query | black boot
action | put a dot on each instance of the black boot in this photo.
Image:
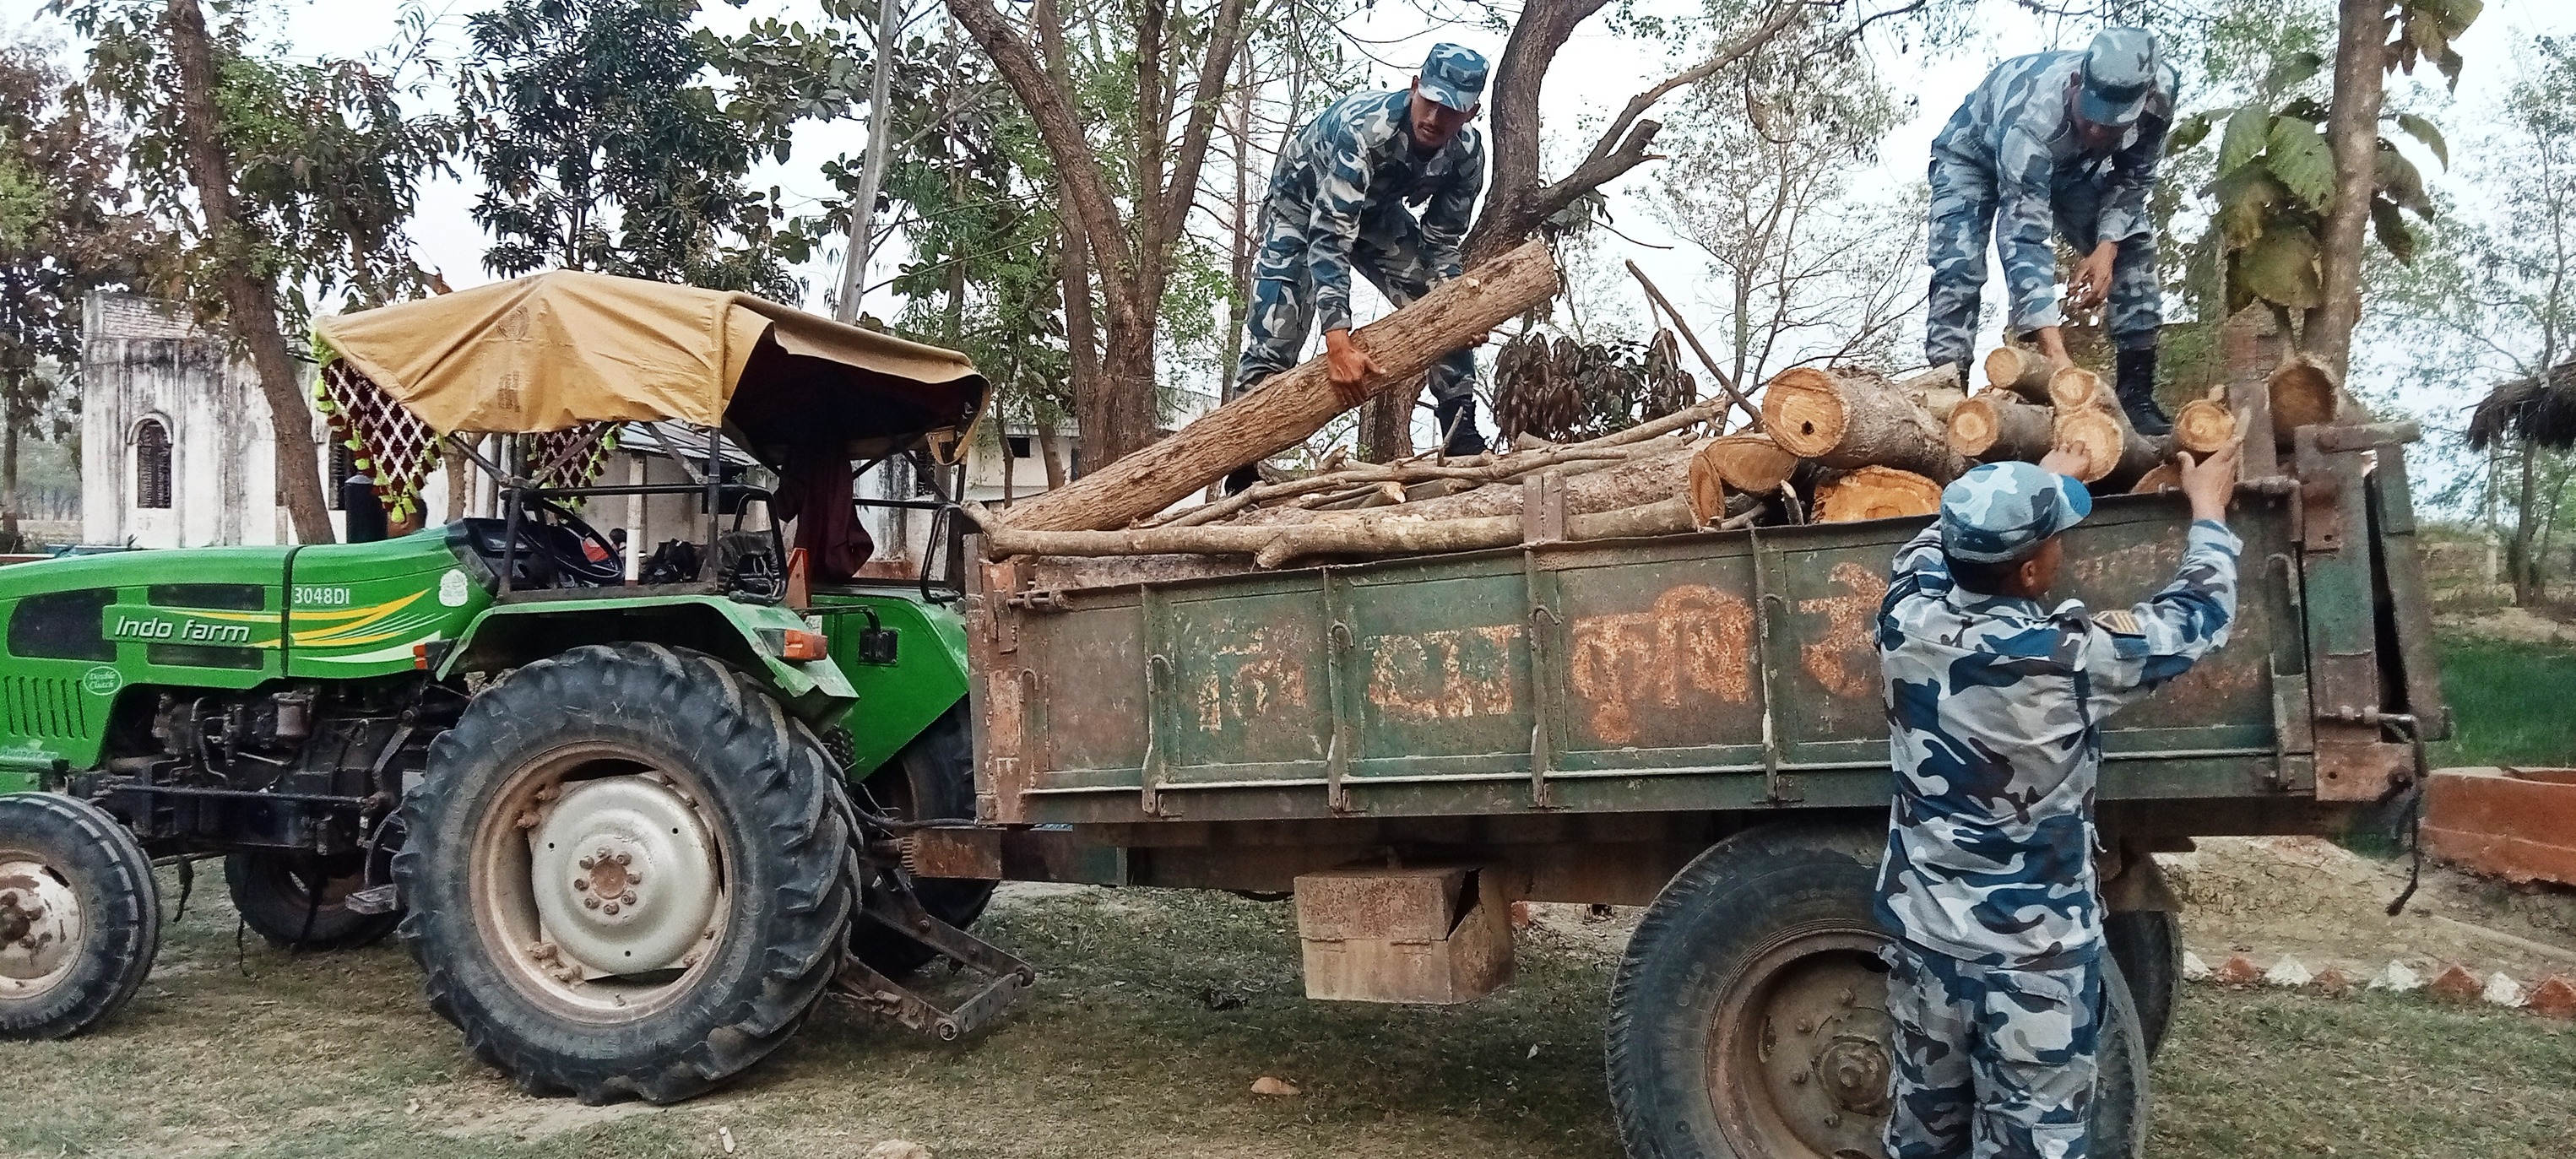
(1457, 418)
(2137, 390)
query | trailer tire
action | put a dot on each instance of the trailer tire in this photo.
(273, 892)
(742, 910)
(933, 777)
(1756, 967)
(2148, 944)
(69, 870)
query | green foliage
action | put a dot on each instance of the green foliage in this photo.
(326, 163)
(2508, 703)
(600, 148)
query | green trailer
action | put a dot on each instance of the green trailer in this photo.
(1691, 724)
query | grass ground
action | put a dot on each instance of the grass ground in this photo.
(1123, 1051)
(2509, 702)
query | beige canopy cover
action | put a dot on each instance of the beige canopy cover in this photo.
(549, 351)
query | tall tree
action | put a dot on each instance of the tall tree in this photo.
(602, 147)
(285, 180)
(67, 226)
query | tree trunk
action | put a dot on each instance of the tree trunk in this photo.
(1876, 493)
(1997, 426)
(1852, 419)
(1371, 535)
(2352, 132)
(2518, 559)
(1295, 404)
(1048, 457)
(11, 419)
(2022, 371)
(1386, 425)
(1653, 474)
(249, 303)
(1938, 391)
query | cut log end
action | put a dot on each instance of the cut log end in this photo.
(2303, 394)
(2165, 477)
(2075, 388)
(1998, 426)
(1803, 411)
(2114, 455)
(1876, 493)
(2204, 425)
(1751, 464)
(2021, 371)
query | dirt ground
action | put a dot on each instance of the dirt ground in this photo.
(1157, 1010)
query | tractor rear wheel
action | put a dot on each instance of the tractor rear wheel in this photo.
(300, 901)
(80, 915)
(626, 873)
(932, 778)
(1748, 1019)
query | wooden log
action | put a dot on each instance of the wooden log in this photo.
(2203, 425)
(2020, 370)
(1752, 464)
(1876, 493)
(2165, 476)
(2302, 394)
(2115, 455)
(1707, 489)
(2075, 388)
(1291, 406)
(1937, 390)
(1658, 470)
(2000, 425)
(1380, 535)
(1851, 419)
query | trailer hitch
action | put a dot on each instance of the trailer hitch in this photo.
(888, 898)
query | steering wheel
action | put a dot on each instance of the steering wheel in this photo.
(603, 572)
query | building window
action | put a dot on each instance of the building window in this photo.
(1019, 445)
(152, 465)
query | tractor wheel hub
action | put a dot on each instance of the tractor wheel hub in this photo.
(41, 928)
(625, 875)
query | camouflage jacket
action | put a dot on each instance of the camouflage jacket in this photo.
(1356, 160)
(1994, 710)
(2017, 126)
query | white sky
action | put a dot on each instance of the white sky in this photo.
(1592, 78)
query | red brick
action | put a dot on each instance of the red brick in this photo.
(2332, 980)
(2455, 983)
(2237, 970)
(2555, 997)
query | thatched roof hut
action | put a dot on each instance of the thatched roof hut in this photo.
(2541, 408)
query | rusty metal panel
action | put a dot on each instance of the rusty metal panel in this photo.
(1088, 713)
(2337, 569)
(1440, 660)
(2410, 609)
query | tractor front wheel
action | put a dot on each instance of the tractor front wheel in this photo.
(80, 915)
(300, 901)
(626, 874)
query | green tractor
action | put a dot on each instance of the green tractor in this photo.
(631, 832)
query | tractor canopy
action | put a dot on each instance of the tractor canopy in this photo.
(565, 352)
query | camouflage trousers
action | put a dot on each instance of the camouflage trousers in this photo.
(1964, 203)
(1388, 253)
(1991, 1062)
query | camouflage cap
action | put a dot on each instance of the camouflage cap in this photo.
(2000, 511)
(2119, 74)
(1453, 75)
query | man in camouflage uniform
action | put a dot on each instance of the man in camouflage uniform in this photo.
(1338, 201)
(2056, 144)
(1995, 704)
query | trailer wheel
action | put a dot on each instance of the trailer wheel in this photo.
(299, 901)
(80, 915)
(933, 777)
(1748, 1019)
(2148, 944)
(626, 874)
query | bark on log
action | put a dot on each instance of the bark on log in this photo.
(1752, 464)
(1381, 535)
(1291, 406)
(1853, 419)
(1649, 476)
(1937, 390)
(2303, 393)
(2000, 425)
(1876, 493)
(2115, 455)
(2022, 371)
(2203, 425)
(2166, 475)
